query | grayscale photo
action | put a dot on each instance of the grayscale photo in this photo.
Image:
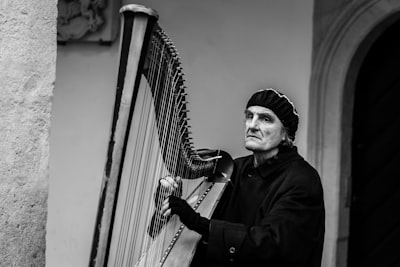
(213, 133)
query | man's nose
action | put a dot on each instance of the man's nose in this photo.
(253, 123)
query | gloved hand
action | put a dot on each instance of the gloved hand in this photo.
(193, 220)
(167, 186)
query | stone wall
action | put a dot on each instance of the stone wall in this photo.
(27, 75)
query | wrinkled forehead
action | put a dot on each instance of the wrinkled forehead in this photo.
(260, 110)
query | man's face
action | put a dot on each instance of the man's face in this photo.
(264, 130)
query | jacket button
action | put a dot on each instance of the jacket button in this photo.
(232, 250)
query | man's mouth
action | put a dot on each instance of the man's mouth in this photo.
(252, 136)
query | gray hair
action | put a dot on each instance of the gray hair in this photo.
(287, 141)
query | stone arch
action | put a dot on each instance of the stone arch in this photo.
(335, 68)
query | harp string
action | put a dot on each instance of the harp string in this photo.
(135, 183)
(162, 147)
(153, 79)
(172, 134)
(168, 130)
(156, 84)
(174, 146)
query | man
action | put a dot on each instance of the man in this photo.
(273, 212)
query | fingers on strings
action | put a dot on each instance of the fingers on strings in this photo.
(170, 186)
(166, 207)
(170, 183)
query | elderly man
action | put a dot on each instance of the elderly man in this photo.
(273, 212)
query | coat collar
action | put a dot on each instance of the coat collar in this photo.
(284, 156)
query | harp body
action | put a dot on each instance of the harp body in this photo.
(150, 139)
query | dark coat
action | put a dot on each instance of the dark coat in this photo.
(272, 215)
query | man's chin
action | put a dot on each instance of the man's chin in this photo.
(252, 146)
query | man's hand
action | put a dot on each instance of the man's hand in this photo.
(169, 183)
(167, 186)
(175, 205)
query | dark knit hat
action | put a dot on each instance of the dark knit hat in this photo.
(280, 104)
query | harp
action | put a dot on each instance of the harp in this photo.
(150, 139)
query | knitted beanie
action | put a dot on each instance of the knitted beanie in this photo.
(280, 104)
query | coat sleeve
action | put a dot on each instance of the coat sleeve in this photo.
(287, 234)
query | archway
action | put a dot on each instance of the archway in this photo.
(331, 108)
(374, 217)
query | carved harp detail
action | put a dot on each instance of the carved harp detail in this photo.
(149, 140)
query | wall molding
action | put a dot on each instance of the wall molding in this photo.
(88, 20)
(335, 67)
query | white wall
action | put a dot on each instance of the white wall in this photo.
(228, 51)
(27, 74)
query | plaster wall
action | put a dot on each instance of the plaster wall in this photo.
(228, 50)
(27, 75)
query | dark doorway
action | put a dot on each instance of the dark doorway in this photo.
(375, 208)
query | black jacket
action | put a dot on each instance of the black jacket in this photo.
(272, 215)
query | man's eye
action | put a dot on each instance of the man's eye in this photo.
(266, 118)
(248, 115)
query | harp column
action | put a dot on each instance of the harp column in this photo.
(136, 30)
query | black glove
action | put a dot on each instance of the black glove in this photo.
(163, 192)
(188, 216)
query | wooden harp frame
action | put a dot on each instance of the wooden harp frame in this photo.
(138, 27)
